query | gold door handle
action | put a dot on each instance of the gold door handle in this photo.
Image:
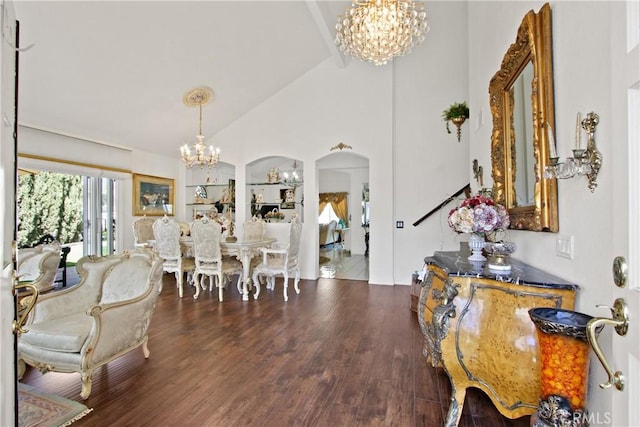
(30, 301)
(620, 321)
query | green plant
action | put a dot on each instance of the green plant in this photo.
(455, 110)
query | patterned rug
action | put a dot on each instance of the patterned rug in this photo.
(36, 408)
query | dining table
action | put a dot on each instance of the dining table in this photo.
(244, 251)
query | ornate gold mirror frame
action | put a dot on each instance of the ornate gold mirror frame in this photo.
(533, 44)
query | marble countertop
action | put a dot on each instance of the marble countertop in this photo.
(457, 264)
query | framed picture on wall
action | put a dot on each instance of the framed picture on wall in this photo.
(152, 195)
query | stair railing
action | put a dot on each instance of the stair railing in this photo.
(466, 189)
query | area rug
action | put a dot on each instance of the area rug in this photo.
(37, 408)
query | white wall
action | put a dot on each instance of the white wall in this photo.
(324, 107)
(429, 164)
(583, 82)
(391, 115)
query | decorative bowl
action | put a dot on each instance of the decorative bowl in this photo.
(500, 248)
(499, 255)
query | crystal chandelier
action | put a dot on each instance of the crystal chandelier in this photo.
(202, 155)
(378, 30)
(292, 178)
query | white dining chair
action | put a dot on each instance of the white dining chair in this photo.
(143, 232)
(167, 244)
(281, 261)
(206, 235)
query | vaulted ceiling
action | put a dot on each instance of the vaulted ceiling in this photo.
(116, 71)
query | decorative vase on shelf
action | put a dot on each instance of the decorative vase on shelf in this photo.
(476, 244)
(564, 361)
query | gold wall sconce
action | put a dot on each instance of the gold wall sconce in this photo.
(585, 161)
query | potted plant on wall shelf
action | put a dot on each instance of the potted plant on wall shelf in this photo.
(457, 113)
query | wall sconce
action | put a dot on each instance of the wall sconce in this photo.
(585, 162)
(477, 172)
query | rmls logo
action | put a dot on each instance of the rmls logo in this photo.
(592, 419)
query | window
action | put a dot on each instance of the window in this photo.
(328, 215)
(77, 210)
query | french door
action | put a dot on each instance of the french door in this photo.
(99, 215)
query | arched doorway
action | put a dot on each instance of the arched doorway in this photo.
(342, 180)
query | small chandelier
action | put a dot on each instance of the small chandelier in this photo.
(378, 30)
(202, 155)
(292, 178)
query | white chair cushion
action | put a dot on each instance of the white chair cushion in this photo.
(67, 334)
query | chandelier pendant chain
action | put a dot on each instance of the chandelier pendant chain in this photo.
(202, 155)
(200, 133)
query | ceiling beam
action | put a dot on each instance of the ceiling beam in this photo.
(327, 35)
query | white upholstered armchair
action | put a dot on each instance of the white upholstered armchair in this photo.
(39, 265)
(105, 316)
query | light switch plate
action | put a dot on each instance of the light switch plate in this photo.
(399, 224)
(564, 247)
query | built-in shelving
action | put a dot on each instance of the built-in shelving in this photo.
(268, 191)
(207, 190)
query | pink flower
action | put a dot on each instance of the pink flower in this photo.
(478, 214)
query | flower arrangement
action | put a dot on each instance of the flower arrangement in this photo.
(478, 214)
(274, 214)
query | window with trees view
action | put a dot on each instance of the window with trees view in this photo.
(71, 208)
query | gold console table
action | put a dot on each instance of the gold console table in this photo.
(477, 328)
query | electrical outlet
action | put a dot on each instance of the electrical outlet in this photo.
(399, 224)
(564, 247)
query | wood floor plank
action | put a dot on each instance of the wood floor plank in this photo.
(340, 353)
(374, 406)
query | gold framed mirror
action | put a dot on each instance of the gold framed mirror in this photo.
(519, 141)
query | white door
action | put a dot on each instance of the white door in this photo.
(624, 352)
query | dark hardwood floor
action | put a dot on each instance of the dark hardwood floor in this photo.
(342, 353)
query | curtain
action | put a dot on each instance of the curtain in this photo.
(338, 203)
